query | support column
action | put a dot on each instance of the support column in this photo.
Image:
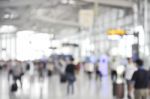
(5, 49)
(147, 41)
(0, 46)
(96, 6)
(10, 46)
(136, 47)
(15, 44)
(135, 16)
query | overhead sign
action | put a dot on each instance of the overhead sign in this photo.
(116, 32)
(70, 44)
(86, 18)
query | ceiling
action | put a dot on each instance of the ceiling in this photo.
(51, 16)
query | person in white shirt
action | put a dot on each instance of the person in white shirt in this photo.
(89, 68)
(50, 68)
(130, 69)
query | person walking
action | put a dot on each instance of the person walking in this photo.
(97, 71)
(140, 80)
(114, 65)
(50, 68)
(70, 75)
(17, 72)
(89, 68)
(41, 71)
(130, 69)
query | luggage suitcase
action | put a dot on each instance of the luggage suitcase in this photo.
(63, 78)
(119, 91)
(14, 87)
(49, 73)
(114, 89)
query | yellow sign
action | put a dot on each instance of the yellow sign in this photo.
(116, 32)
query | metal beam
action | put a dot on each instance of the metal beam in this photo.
(20, 3)
(112, 3)
(44, 18)
(39, 22)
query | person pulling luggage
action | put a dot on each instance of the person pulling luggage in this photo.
(17, 73)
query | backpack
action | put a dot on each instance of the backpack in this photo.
(63, 78)
(14, 87)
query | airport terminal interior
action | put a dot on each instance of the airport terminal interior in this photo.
(74, 49)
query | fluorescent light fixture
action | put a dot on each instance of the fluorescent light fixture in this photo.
(6, 16)
(68, 2)
(64, 1)
(10, 16)
(71, 2)
(26, 32)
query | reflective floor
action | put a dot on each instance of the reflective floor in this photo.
(51, 88)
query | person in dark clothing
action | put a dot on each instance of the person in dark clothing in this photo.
(149, 82)
(140, 79)
(70, 75)
(97, 71)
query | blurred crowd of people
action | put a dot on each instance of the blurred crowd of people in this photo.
(123, 71)
(65, 66)
(132, 73)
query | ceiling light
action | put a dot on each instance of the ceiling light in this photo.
(64, 1)
(68, 2)
(71, 2)
(10, 16)
(6, 16)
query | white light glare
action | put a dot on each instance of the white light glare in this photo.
(71, 2)
(114, 37)
(7, 29)
(68, 2)
(147, 51)
(6, 16)
(64, 1)
(51, 36)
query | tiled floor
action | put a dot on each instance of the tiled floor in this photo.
(53, 89)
